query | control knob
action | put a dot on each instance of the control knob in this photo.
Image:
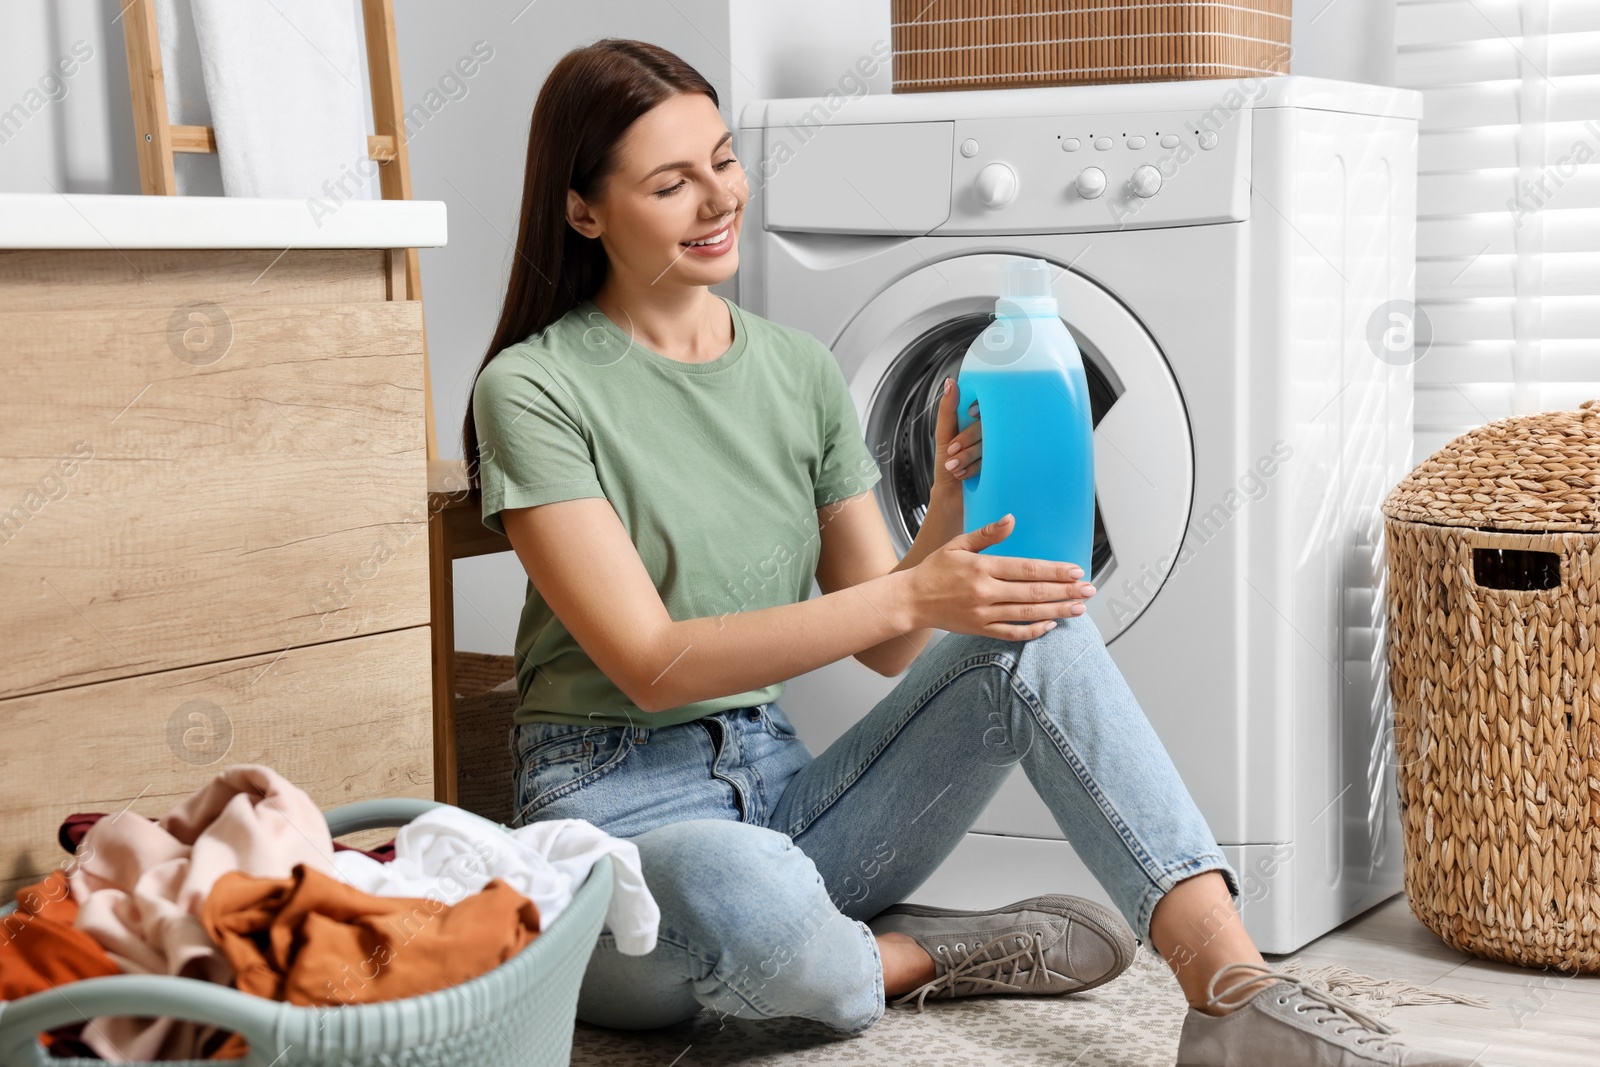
(997, 185)
(1146, 181)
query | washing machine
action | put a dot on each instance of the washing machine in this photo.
(1235, 260)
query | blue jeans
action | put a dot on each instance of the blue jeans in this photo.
(766, 860)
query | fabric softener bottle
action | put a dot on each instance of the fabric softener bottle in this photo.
(1026, 374)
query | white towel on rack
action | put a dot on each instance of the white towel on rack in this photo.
(284, 82)
(447, 852)
(194, 175)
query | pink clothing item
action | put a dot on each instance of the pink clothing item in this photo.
(141, 884)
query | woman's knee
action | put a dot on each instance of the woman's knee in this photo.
(1025, 682)
(1074, 648)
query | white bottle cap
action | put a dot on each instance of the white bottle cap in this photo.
(1025, 289)
(1026, 278)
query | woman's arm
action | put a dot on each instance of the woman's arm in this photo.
(856, 545)
(856, 548)
(579, 557)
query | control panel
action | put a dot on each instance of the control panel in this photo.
(1063, 174)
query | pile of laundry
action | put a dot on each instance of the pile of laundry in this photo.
(241, 884)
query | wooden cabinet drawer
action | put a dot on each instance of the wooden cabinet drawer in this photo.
(346, 720)
(195, 484)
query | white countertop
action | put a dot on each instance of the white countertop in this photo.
(81, 220)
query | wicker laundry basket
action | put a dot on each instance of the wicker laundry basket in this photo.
(486, 700)
(1009, 44)
(1494, 617)
(520, 1014)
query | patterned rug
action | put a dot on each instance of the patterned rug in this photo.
(1130, 1022)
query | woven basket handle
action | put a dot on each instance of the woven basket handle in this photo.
(1517, 554)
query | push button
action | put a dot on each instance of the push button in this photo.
(1169, 140)
(1102, 144)
(1208, 139)
(1071, 144)
(1136, 142)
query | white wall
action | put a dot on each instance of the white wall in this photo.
(784, 48)
(64, 134)
(470, 152)
(471, 155)
(1352, 40)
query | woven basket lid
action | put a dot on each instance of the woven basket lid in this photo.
(1527, 472)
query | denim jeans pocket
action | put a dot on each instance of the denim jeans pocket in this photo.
(776, 722)
(555, 759)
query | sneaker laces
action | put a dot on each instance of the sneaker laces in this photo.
(1328, 1007)
(980, 967)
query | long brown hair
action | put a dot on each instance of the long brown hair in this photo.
(590, 98)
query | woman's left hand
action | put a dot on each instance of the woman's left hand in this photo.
(957, 456)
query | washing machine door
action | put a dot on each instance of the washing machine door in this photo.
(915, 333)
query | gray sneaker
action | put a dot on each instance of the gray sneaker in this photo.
(1291, 1023)
(1042, 946)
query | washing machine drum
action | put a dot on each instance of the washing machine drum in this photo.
(915, 334)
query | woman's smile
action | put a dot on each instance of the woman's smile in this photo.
(713, 244)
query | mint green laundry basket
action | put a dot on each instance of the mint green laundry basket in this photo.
(518, 1015)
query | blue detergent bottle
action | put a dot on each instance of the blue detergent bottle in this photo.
(1026, 373)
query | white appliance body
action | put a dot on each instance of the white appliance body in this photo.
(1246, 431)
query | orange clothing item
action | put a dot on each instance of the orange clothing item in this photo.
(40, 948)
(312, 940)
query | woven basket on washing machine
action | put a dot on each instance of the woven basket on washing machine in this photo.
(1494, 618)
(1014, 44)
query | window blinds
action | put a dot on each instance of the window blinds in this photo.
(1508, 206)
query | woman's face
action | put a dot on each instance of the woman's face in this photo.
(677, 181)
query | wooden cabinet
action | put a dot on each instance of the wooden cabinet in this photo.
(213, 531)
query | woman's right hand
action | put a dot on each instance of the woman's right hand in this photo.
(959, 589)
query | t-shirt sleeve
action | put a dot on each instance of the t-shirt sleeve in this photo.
(531, 445)
(847, 467)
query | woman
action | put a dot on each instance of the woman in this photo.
(673, 472)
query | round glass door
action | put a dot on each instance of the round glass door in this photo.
(907, 404)
(898, 349)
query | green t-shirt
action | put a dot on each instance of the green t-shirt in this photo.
(716, 470)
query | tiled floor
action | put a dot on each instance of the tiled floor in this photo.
(1536, 1018)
